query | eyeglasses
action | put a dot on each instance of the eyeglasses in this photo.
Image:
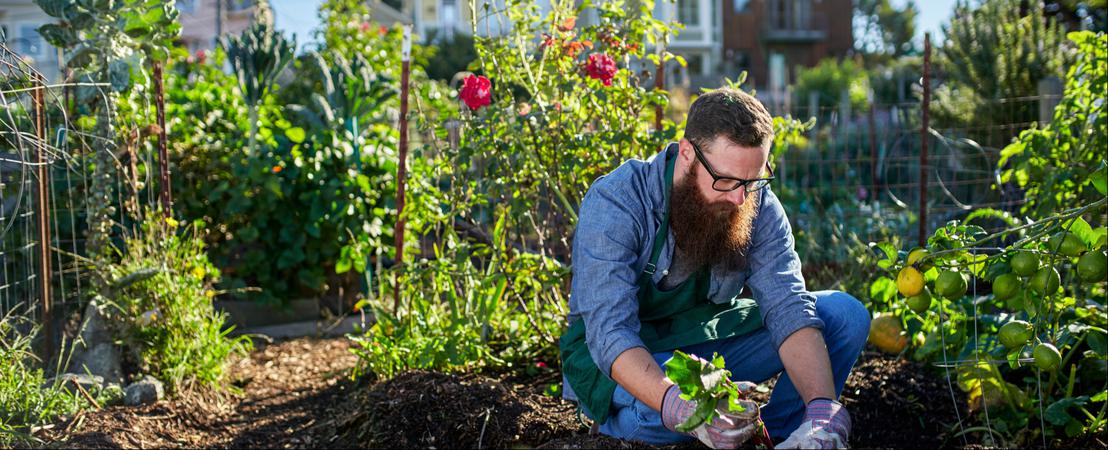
(728, 184)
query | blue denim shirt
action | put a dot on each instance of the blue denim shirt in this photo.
(619, 216)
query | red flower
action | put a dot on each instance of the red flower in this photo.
(201, 56)
(601, 67)
(568, 24)
(382, 30)
(476, 91)
(364, 27)
(277, 169)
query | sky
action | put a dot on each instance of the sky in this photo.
(300, 17)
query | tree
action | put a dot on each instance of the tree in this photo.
(994, 53)
(887, 30)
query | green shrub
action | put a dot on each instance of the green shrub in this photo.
(160, 303)
(830, 79)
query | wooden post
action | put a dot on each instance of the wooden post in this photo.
(659, 84)
(924, 138)
(42, 207)
(401, 167)
(874, 179)
(163, 153)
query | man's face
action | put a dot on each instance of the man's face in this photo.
(714, 227)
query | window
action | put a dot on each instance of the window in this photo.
(186, 6)
(791, 14)
(30, 43)
(449, 18)
(240, 5)
(688, 12)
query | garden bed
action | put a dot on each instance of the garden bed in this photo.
(297, 394)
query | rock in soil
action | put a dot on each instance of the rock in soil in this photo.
(68, 381)
(143, 392)
(95, 353)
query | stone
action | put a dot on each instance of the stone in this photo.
(95, 352)
(143, 392)
(102, 359)
(91, 383)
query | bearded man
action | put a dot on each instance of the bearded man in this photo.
(662, 251)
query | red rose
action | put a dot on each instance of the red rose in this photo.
(567, 24)
(601, 67)
(476, 91)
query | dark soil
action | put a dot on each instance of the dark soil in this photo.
(298, 394)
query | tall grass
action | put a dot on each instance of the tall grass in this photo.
(25, 401)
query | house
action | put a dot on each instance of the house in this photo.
(204, 21)
(19, 22)
(772, 39)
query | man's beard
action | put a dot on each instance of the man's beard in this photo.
(711, 233)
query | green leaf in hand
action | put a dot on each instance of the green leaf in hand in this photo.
(702, 382)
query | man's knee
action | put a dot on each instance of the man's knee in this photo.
(844, 314)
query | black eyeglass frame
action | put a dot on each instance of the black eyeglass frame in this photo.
(716, 178)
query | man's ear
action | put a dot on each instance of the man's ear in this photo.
(685, 151)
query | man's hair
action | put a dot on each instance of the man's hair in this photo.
(732, 113)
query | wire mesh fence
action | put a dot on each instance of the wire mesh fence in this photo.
(869, 161)
(41, 195)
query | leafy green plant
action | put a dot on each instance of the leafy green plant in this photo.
(706, 384)
(159, 303)
(1056, 163)
(108, 42)
(257, 56)
(1020, 311)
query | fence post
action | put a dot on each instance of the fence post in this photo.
(844, 107)
(42, 213)
(401, 167)
(924, 138)
(1050, 95)
(163, 153)
(874, 179)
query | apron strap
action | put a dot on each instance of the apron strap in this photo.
(663, 230)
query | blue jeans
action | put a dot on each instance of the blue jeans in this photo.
(752, 357)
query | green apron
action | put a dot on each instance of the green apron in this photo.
(671, 319)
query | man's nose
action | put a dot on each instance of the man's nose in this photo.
(736, 197)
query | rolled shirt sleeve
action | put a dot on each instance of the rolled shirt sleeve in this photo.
(775, 277)
(606, 246)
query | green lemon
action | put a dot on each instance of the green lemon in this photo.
(1067, 244)
(1018, 302)
(950, 285)
(1092, 267)
(916, 254)
(1045, 281)
(1025, 263)
(1015, 334)
(1006, 286)
(1047, 356)
(921, 302)
(909, 281)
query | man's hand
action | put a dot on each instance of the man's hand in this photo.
(826, 425)
(727, 430)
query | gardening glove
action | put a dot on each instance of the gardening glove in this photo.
(726, 430)
(826, 425)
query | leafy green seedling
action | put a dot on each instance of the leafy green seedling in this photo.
(705, 383)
